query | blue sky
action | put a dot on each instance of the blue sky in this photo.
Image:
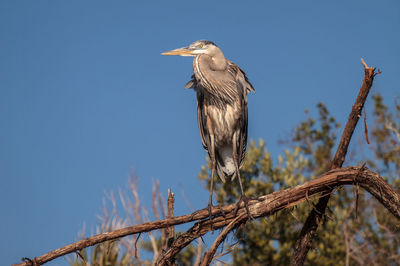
(85, 95)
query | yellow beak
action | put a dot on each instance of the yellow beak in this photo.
(180, 51)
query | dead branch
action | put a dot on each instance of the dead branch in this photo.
(260, 207)
(266, 205)
(171, 230)
(366, 127)
(303, 244)
(208, 256)
(198, 254)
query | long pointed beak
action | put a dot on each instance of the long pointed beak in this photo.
(185, 51)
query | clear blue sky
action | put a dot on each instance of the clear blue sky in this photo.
(85, 95)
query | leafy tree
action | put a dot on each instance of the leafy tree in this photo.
(356, 229)
(347, 236)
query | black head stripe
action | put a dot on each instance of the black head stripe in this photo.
(207, 42)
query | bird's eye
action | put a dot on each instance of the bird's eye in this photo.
(200, 45)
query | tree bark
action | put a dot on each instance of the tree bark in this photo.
(260, 207)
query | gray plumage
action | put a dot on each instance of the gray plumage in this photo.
(221, 88)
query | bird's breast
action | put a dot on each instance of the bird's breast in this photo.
(224, 122)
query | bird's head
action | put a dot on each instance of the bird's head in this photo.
(196, 48)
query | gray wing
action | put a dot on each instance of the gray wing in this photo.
(243, 122)
(201, 116)
(244, 87)
(241, 77)
(202, 120)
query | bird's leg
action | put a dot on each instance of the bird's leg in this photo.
(210, 204)
(213, 164)
(242, 195)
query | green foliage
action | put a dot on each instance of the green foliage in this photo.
(346, 237)
(343, 235)
(316, 139)
(386, 136)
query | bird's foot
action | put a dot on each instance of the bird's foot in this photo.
(222, 212)
(246, 205)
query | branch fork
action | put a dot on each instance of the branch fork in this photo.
(225, 217)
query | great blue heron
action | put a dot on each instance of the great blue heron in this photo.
(221, 88)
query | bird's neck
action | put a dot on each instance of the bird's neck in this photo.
(218, 62)
(214, 79)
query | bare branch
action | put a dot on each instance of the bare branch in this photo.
(227, 250)
(303, 244)
(198, 254)
(208, 256)
(271, 203)
(260, 207)
(171, 230)
(366, 127)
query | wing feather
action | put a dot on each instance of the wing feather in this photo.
(201, 112)
(202, 120)
(244, 87)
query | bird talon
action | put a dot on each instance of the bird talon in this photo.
(222, 212)
(246, 205)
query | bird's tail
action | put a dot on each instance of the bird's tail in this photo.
(225, 163)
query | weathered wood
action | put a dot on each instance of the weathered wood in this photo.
(263, 206)
(208, 255)
(276, 201)
(260, 207)
(303, 244)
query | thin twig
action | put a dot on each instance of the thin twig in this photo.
(136, 241)
(208, 256)
(277, 201)
(260, 207)
(366, 127)
(226, 251)
(78, 253)
(198, 254)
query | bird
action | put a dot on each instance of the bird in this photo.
(221, 88)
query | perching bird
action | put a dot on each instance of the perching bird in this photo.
(221, 88)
